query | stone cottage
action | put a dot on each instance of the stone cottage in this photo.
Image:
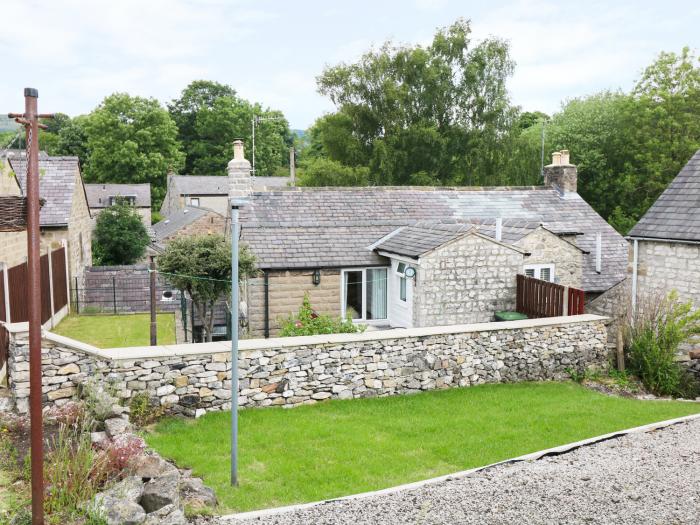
(65, 215)
(102, 196)
(419, 256)
(666, 240)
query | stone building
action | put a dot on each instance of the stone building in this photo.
(102, 196)
(665, 243)
(419, 256)
(65, 216)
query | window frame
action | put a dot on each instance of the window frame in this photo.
(537, 271)
(194, 199)
(401, 272)
(343, 301)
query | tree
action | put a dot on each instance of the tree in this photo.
(428, 114)
(132, 140)
(120, 236)
(201, 267)
(327, 172)
(210, 116)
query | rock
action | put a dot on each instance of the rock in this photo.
(71, 368)
(169, 400)
(195, 493)
(119, 504)
(148, 467)
(189, 400)
(165, 390)
(199, 413)
(321, 395)
(694, 354)
(116, 426)
(168, 515)
(161, 491)
(61, 393)
(98, 438)
(180, 381)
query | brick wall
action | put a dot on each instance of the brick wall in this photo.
(546, 248)
(286, 292)
(465, 281)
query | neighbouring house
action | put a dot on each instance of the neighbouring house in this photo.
(101, 196)
(418, 256)
(65, 216)
(207, 191)
(666, 240)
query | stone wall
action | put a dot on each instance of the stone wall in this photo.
(666, 266)
(212, 223)
(286, 292)
(614, 304)
(546, 248)
(191, 379)
(465, 281)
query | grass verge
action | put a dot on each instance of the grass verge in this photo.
(112, 331)
(338, 448)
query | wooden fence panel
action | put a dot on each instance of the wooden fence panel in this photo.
(17, 281)
(3, 313)
(4, 345)
(60, 285)
(538, 298)
(45, 288)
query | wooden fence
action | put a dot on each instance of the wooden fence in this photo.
(538, 298)
(54, 288)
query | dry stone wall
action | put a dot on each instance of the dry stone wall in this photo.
(192, 379)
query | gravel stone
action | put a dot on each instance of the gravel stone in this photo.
(641, 478)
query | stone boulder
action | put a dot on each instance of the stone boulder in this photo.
(168, 515)
(147, 467)
(161, 491)
(194, 493)
(115, 426)
(119, 505)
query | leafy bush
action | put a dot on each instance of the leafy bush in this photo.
(142, 412)
(308, 322)
(653, 339)
(120, 237)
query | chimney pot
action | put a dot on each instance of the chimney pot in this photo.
(556, 158)
(565, 156)
(561, 174)
(238, 153)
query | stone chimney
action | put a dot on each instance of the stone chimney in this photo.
(560, 174)
(239, 181)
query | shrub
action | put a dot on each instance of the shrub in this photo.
(308, 322)
(654, 336)
(120, 237)
(141, 411)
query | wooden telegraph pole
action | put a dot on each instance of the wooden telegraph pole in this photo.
(30, 120)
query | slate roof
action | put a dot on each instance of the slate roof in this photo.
(175, 221)
(676, 213)
(218, 185)
(335, 227)
(57, 178)
(98, 194)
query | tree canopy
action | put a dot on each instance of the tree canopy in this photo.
(210, 115)
(120, 236)
(201, 267)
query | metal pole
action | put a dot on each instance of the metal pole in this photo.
(154, 326)
(114, 294)
(34, 277)
(542, 152)
(253, 124)
(234, 344)
(77, 298)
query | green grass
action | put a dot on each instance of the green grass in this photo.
(111, 331)
(338, 448)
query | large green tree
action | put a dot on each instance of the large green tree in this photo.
(201, 267)
(210, 115)
(420, 114)
(132, 140)
(120, 237)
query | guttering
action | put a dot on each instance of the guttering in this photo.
(660, 239)
(635, 263)
(267, 303)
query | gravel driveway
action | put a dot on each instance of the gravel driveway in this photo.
(651, 477)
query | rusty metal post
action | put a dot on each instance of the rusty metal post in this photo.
(34, 278)
(154, 325)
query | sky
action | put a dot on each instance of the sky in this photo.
(271, 51)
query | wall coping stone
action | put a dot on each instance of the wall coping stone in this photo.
(246, 345)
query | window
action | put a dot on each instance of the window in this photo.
(364, 294)
(124, 199)
(400, 270)
(540, 271)
(194, 201)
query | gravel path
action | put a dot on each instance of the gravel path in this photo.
(643, 478)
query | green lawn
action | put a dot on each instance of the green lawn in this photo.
(111, 331)
(338, 448)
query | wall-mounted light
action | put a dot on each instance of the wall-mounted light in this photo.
(316, 277)
(410, 272)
